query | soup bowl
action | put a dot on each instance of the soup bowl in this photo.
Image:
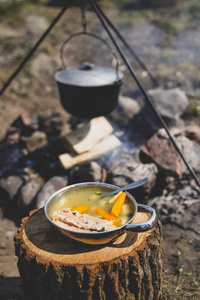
(100, 237)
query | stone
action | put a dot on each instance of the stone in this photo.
(9, 187)
(10, 156)
(35, 141)
(89, 172)
(127, 170)
(170, 104)
(26, 123)
(37, 24)
(125, 111)
(50, 187)
(192, 132)
(160, 150)
(169, 208)
(52, 123)
(29, 191)
(191, 219)
(181, 207)
(191, 152)
(13, 135)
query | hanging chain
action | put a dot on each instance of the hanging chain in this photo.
(83, 17)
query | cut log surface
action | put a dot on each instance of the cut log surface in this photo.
(55, 267)
(84, 139)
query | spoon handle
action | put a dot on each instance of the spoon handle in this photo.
(127, 187)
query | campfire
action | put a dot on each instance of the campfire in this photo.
(41, 154)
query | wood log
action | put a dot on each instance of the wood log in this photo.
(69, 160)
(85, 138)
(55, 267)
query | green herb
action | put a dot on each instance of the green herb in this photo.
(130, 215)
(98, 193)
(74, 213)
(102, 229)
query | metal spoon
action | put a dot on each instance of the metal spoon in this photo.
(127, 187)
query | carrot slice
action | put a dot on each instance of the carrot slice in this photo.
(117, 206)
(81, 209)
(107, 216)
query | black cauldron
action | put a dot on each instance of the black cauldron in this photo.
(88, 90)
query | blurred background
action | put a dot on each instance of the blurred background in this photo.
(164, 36)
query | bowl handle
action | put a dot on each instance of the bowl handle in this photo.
(141, 227)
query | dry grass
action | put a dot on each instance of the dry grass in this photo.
(181, 286)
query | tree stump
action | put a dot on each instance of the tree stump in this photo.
(54, 267)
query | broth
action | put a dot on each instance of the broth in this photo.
(90, 196)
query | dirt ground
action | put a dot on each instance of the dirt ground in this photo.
(34, 90)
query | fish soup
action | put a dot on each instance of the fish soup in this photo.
(84, 203)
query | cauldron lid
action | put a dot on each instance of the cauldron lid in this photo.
(88, 75)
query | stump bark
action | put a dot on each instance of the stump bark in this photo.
(54, 267)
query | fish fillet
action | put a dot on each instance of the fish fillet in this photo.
(80, 222)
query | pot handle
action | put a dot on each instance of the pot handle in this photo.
(92, 35)
(142, 227)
